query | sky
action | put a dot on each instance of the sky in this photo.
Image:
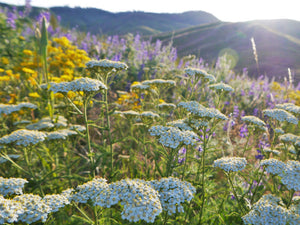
(225, 10)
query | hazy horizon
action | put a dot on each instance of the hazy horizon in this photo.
(229, 11)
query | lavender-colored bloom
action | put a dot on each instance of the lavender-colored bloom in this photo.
(255, 112)
(242, 93)
(27, 7)
(11, 19)
(236, 111)
(259, 155)
(244, 131)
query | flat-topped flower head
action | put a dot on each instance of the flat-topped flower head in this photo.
(290, 107)
(105, 65)
(40, 125)
(221, 87)
(268, 150)
(273, 166)
(9, 210)
(290, 176)
(56, 201)
(77, 127)
(139, 199)
(159, 83)
(82, 84)
(253, 120)
(130, 114)
(8, 109)
(199, 111)
(90, 190)
(167, 107)
(172, 136)
(172, 193)
(267, 210)
(148, 117)
(289, 138)
(87, 85)
(280, 115)
(231, 164)
(278, 131)
(34, 207)
(10, 186)
(181, 124)
(62, 87)
(138, 87)
(23, 137)
(198, 73)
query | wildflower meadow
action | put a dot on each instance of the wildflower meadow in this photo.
(120, 130)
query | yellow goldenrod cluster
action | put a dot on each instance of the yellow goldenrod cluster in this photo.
(293, 95)
(64, 58)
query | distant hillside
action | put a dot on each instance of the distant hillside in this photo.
(277, 43)
(100, 21)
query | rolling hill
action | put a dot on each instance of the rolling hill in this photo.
(199, 33)
(277, 43)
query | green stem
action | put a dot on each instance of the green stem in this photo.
(109, 131)
(31, 172)
(241, 206)
(291, 198)
(256, 188)
(87, 136)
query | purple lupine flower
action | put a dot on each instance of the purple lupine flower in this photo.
(259, 156)
(243, 113)
(255, 112)
(236, 111)
(242, 93)
(181, 155)
(244, 131)
(11, 19)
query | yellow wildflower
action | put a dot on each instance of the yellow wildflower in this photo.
(34, 95)
(9, 72)
(27, 70)
(66, 77)
(28, 52)
(1, 70)
(22, 38)
(58, 95)
(5, 60)
(78, 103)
(4, 78)
(71, 94)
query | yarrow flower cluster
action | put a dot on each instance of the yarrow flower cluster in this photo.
(166, 106)
(60, 134)
(34, 207)
(221, 87)
(268, 150)
(172, 136)
(199, 110)
(253, 120)
(56, 201)
(105, 64)
(47, 122)
(139, 88)
(139, 199)
(147, 117)
(82, 84)
(289, 138)
(273, 166)
(8, 109)
(172, 193)
(290, 107)
(9, 210)
(23, 137)
(159, 83)
(198, 73)
(231, 164)
(289, 172)
(267, 210)
(181, 124)
(278, 131)
(11, 186)
(77, 127)
(280, 115)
